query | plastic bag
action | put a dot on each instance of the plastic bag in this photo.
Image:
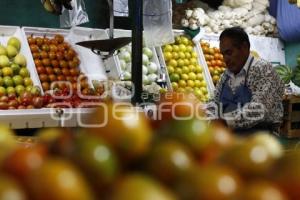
(121, 8)
(157, 21)
(74, 17)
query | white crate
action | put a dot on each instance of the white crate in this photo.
(90, 64)
(210, 85)
(31, 118)
(116, 62)
(76, 117)
(8, 31)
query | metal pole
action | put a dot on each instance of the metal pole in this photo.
(111, 18)
(137, 46)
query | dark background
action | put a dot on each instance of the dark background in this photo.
(32, 13)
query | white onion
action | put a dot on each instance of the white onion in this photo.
(152, 68)
(127, 75)
(145, 70)
(152, 77)
(145, 60)
(122, 64)
(146, 80)
(148, 52)
(125, 55)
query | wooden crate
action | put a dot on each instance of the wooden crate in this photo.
(291, 120)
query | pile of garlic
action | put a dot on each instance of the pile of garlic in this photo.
(252, 15)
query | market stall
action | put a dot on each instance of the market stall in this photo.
(124, 114)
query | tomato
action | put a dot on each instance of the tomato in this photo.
(38, 62)
(45, 86)
(123, 127)
(209, 183)
(43, 77)
(46, 62)
(10, 189)
(34, 48)
(53, 48)
(49, 70)
(58, 179)
(55, 63)
(39, 41)
(138, 187)
(23, 160)
(31, 40)
(59, 38)
(169, 160)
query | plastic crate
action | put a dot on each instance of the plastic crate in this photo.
(8, 31)
(114, 61)
(207, 77)
(90, 64)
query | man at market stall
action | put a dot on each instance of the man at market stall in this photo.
(249, 94)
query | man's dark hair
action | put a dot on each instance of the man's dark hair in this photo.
(237, 34)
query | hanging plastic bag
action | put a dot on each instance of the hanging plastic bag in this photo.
(121, 8)
(74, 17)
(157, 21)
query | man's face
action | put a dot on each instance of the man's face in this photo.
(234, 55)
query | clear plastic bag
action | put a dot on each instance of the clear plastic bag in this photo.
(121, 8)
(157, 21)
(74, 17)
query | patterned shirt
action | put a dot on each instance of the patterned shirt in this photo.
(267, 91)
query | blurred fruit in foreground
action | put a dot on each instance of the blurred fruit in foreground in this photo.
(57, 179)
(96, 158)
(178, 106)
(209, 183)
(22, 161)
(10, 189)
(222, 139)
(287, 174)
(169, 159)
(140, 187)
(124, 127)
(261, 190)
(7, 141)
(251, 156)
(195, 133)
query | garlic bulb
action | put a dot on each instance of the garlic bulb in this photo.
(184, 23)
(193, 26)
(224, 8)
(188, 13)
(192, 21)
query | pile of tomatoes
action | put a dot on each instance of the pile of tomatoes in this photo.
(56, 61)
(134, 157)
(214, 60)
